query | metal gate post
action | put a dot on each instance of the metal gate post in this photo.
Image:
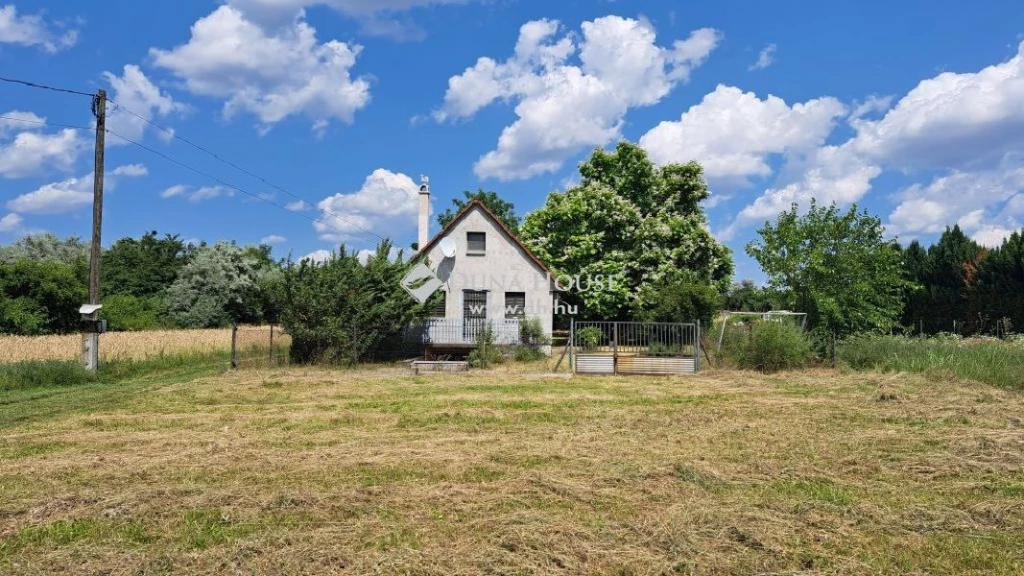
(696, 348)
(615, 347)
(572, 348)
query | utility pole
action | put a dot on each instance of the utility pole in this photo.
(91, 339)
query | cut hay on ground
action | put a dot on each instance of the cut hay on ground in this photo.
(306, 471)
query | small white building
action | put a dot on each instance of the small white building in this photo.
(490, 278)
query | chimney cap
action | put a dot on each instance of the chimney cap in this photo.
(424, 185)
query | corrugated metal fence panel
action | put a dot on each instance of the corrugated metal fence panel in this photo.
(656, 366)
(595, 364)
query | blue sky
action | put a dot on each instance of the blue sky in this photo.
(913, 109)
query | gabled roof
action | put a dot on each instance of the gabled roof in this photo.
(501, 225)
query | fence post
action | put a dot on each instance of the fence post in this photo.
(615, 347)
(572, 345)
(234, 346)
(696, 355)
(271, 345)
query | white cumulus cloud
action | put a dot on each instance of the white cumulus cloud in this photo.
(33, 30)
(732, 133)
(962, 133)
(135, 92)
(564, 107)
(273, 240)
(33, 151)
(71, 194)
(765, 58)
(386, 205)
(10, 222)
(273, 74)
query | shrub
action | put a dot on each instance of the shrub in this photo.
(774, 346)
(344, 311)
(486, 352)
(528, 354)
(132, 314)
(589, 337)
(531, 333)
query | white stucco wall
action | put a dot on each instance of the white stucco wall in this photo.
(504, 268)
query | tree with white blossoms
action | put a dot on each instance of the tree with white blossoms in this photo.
(640, 224)
(217, 287)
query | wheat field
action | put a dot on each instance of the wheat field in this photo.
(133, 345)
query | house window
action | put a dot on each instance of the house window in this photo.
(515, 304)
(474, 304)
(476, 242)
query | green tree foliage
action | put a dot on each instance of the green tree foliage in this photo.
(40, 297)
(128, 313)
(47, 248)
(837, 267)
(745, 296)
(144, 267)
(344, 312)
(633, 221)
(504, 210)
(1000, 289)
(686, 298)
(964, 286)
(218, 287)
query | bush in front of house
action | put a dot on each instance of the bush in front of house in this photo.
(343, 311)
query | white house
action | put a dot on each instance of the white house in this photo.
(489, 277)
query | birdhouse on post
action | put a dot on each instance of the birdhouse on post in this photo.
(92, 327)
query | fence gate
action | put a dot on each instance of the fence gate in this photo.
(635, 348)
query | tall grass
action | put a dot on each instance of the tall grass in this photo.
(52, 374)
(982, 359)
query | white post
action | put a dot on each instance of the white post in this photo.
(91, 351)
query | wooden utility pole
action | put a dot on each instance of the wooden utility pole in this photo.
(100, 110)
(91, 338)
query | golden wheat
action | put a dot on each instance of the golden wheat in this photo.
(135, 345)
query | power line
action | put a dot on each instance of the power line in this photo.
(44, 86)
(189, 142)
(45, 123)
(249, 173)
(222, 182)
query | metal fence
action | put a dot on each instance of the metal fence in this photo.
(635, 347)
(467, 331)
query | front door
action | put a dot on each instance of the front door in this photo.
(474, 314)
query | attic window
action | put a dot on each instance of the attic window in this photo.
(476, 242)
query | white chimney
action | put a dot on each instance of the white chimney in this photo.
(424, 212)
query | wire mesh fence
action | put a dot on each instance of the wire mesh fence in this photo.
(259, 347)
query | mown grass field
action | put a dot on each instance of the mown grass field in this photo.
(303, 471)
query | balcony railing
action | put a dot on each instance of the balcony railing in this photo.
(467, 331)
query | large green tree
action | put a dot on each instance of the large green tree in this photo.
(503, 209)
(143, 267)
(640, 224)
(838, 267)
(219, 286)
(40, 297)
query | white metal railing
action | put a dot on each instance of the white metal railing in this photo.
(467, 331)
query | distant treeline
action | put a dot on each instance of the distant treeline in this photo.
(147, 283)
(961, 287)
